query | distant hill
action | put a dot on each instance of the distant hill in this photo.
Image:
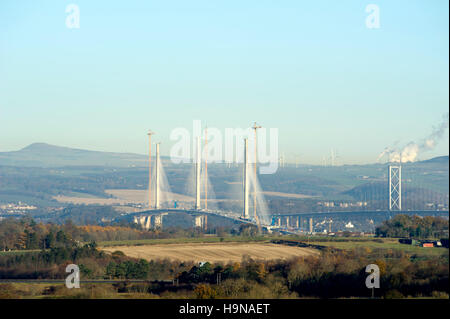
(379, 191)
(437, 160)
(46, 155)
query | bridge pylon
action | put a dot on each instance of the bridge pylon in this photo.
(395, 187)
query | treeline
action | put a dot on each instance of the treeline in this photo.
(26, 234)
(413, 227)
(51, 263)
(333, 274)
(93, 264)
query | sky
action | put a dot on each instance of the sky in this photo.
(312, 69)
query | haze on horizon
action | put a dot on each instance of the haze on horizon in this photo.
(312, 70)
(49, 149)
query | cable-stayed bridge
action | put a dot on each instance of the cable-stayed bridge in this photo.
(374, 202)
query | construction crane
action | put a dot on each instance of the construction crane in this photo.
(206, 167)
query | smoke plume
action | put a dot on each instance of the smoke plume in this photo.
(410, 152)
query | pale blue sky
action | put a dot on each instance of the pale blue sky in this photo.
(311, 69)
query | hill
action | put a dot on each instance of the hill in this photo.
(46, 155)
(437, 160)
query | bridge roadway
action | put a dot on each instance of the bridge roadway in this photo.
(356, 212)
(376, 215)
(220, 213)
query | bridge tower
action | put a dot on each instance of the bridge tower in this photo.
(395, 187)
(245, 181)
(150, 133)
(201, 221)
(197, 175)
(157, 177)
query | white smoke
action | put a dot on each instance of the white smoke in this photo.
(410, 152)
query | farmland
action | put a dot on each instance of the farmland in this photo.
(391, 244)
(214, 252)
(236, 246)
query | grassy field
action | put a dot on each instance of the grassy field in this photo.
(119, 197)
(219, 249)
(59, 291)
(183, 240)
(339, 243)
(18, 252)
(389, 243)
